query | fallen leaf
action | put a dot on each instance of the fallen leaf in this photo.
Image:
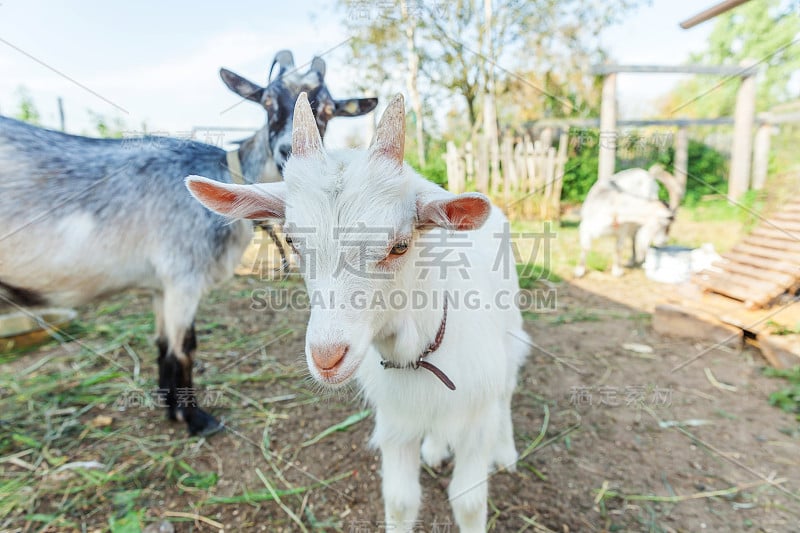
(101, 421)
(638, 348)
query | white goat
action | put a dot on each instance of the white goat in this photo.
(439, 375)
(627, 207)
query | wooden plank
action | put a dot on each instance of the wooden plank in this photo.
(792, 217)
(757, 273)
(733, 290)
(748, 282)
(777, 255)
(786, 225)
(788, 245)
(710, 13)
(793, 206)
(719, 70)
(766, 264)
(678, 321)
(782, 351)
(775, 233)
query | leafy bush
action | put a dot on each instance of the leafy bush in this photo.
(435, 168)
(787, 399)
(707, 167)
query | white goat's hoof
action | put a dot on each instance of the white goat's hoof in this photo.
(506, 460)
(617, 272)
(580, 271)
(434, 452)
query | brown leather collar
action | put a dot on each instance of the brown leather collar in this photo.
(421, 363)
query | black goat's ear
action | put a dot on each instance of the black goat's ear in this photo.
(354, 107)
(241, 86)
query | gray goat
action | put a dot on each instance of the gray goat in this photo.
(627, 207)
(82, 218)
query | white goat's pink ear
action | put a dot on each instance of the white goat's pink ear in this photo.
(306, 141)
(390, 135)
(466, 211)
(255, 202)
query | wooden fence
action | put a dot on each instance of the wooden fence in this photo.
(522, 175)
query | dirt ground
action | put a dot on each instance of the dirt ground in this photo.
(612, 438)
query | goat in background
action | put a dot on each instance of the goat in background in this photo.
(627, 207)
(83, 218)
(439, 375)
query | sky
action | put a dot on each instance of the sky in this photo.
(157, 63)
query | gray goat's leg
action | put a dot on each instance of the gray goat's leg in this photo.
(177, 347)
(270, 229)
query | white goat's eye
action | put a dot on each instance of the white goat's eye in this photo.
(289, 241)
(400, 248)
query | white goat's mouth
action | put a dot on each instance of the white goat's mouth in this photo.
(339, 374)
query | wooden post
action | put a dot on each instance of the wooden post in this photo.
(761, 155)
(520, 167)
(681, 167)
(530, 161)
(61, 113)
(608, 127)
(743, 119)
(561, 160)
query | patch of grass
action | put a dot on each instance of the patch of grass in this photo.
(779, 329)
(267, 495)
(84, 448)
(719, 209)
(573, 316)
(787, 398)
(531, 274)
(341, 426)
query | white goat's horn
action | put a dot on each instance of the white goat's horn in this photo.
(306, 141)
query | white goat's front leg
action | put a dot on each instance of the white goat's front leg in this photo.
(616, 267)
(586, 242)
(469, 488)
(505, 451)
(641, 243)
(401, 488)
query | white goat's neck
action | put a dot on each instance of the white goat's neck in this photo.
(405, 335)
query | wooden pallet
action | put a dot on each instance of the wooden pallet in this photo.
(764, 266)
(723, 321)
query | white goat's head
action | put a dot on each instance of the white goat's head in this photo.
(280, 95)
(353, 217)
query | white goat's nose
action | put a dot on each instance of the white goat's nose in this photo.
(328, 356)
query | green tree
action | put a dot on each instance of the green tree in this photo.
(460, 53)
(767, 31)
(27, 109)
